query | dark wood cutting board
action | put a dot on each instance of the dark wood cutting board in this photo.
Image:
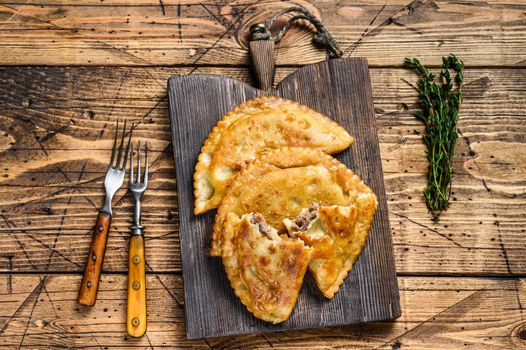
(339, 88)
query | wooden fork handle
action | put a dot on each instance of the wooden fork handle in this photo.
(136, 311)
(90, 281)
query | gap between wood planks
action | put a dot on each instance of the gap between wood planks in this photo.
(495, 276)
(246, 66)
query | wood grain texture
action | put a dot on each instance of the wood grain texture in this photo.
(339, 88)
(94, 260)
(136, 322)
(263, 62)
(191, 32)
(468, 313)
(55, 142)
(54, 147)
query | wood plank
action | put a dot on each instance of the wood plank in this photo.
(197, 103)
(55, 138)
(149, 32)
(471, 313)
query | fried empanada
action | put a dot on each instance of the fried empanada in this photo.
(265, 269)
(253, 126)
(279, 183)
(338, 235)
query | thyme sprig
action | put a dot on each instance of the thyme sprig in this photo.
(439, 112)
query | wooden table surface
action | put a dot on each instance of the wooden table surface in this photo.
(70, 70)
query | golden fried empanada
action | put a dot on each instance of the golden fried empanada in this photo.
(253, 126)
(338, 235)
(279, 183)
(265, 270)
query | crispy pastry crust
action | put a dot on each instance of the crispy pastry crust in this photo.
(279, 183)
(265, 270)
(253, 126)
(338, 235)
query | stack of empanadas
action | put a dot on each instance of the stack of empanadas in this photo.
(284, 203)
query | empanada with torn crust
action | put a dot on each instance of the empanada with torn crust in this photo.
(338, 235)
(281, 182)
(253, 126)
(265, 269)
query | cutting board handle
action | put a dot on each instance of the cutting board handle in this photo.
(262, 54)
(262, 43)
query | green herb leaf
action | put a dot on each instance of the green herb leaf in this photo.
(439, 112)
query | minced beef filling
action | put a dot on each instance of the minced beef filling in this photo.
(264, 228)
(301, 223)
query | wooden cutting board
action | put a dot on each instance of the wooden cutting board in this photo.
(339, 88)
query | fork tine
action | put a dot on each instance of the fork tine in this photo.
(120, 147)
(131, 167)
(146, 164)
(139, 162)
(114, 145)
(128, 147)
